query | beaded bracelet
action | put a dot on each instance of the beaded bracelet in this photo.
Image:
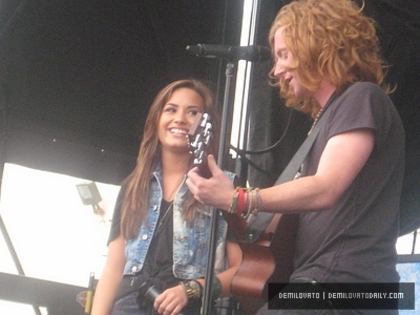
(234, 204)
(254, 203)
(250, 200)
(238, 200)
(259, 206)
(247, 199)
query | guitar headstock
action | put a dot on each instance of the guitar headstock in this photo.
(199, 137)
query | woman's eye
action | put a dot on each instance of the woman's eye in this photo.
(170, 109)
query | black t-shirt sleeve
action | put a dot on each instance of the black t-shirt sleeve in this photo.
(116, 217)
(363, 105)
(353, 110)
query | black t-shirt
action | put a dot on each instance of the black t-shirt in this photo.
(116, 217)
(158, 263)
(355, 240)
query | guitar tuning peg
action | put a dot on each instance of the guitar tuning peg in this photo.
(207, 129)
(206, 118)
(207, 139)
(197, 141)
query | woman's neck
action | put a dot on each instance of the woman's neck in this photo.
(174, 169)
(175, 163)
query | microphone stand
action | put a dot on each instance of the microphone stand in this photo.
(206, 307)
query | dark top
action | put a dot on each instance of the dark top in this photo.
(116, 217)
(355, 240)
(158, 263)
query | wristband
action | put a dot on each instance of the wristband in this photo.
(241, 200)
(193, 289)
(216, 288)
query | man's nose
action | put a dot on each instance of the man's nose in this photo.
(279, 70)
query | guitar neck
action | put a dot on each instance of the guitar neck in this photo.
(199, 137)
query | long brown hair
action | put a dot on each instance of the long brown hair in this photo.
(135, 203)
(329, 39)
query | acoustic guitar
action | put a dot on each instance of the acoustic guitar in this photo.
(267, 259)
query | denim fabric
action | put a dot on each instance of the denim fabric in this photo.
(190, 243)
(127, 305)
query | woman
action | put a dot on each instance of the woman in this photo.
(160, 234)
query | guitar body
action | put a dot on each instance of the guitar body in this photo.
(269, 259)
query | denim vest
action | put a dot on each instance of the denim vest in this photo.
(190, 243)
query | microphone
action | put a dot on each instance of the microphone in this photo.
(232, 53)
(152, 293)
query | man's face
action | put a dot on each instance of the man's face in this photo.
(283, 61)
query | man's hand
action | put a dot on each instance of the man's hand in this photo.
(215, 191)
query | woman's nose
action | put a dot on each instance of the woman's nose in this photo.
(180, 118)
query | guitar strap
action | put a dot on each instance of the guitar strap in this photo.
(258, 224)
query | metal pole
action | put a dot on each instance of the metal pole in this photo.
(213, 225)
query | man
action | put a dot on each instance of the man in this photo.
(347, 198)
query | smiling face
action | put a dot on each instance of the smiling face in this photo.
(177, 117)
(284, 60)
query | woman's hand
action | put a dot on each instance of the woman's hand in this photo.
(171, 301)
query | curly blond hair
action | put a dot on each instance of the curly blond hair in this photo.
(331, 40)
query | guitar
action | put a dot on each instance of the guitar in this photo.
(199, 136)
(269, 258)
(266, 259)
